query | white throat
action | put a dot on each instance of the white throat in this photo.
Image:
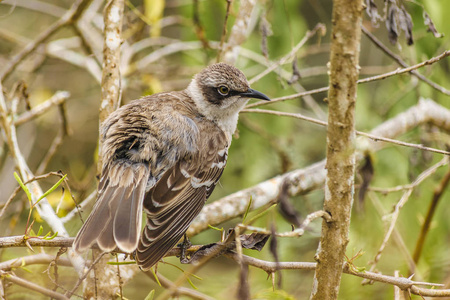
(225, 117)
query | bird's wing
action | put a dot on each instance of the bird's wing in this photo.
(177, 198)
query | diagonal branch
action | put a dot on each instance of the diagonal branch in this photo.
(69, 17)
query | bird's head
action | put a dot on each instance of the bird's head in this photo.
(220, 91)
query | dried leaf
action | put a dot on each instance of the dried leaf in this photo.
(366, 172)
(431, 28)
(406, 24)
(391, 24)
(286, 208)
(266, 31)
(254, 241)
(295, 72)
(372, 12)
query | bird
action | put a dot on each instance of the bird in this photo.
(163, 155)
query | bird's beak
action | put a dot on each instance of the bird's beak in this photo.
(251, 93)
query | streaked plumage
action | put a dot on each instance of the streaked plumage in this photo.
(163, 154)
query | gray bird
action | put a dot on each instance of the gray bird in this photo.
(163, 154)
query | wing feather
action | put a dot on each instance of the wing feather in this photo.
(177, 198)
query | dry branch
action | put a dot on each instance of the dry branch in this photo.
(32, 286)
(69, 17)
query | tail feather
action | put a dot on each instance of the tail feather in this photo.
(116, 218)
(95, 223)
(128, 220)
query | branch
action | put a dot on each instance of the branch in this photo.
(395, 214)
(70, 16)
(364, 80)
(57, 99)
(437, 194)
(309, 34)
(401, 282)
(323, 123)
(41, 258)
(341, 152)
(402, 63)
(32, 286)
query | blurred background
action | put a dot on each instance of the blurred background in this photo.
(264, 146)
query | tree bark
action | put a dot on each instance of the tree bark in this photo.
(340, 165)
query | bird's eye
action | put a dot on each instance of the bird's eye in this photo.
(223, 90)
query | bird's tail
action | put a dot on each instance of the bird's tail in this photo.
(116, 218)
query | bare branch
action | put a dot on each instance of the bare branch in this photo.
(309, 34)
(395, 214)
(41, 258)
(365, 80)
(32, 286)
(402, 63)
(57, 99)
(70, 16)
(179, 291)
(437, 194)
(371, 136)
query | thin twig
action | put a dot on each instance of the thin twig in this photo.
(395, 214)
(41, 258)
(83, 277)
(309, 34)
(57, 99)
(403, 283)
(32, 286)
(440, 189)
(402, 63)
(406, 69)
(365, 80)
(179, 291)
(224, 30)
(323, 123)
(294, 233)
(76, 210)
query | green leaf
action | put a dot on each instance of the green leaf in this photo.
(150, 295)
(41, 229)
(47, 237)
(156, 277)
(248, 208)
(23, 186)
(191, 283)
(52, 188)
(215, 228)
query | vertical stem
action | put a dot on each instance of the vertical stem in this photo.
(111, 81)
(340, 165)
